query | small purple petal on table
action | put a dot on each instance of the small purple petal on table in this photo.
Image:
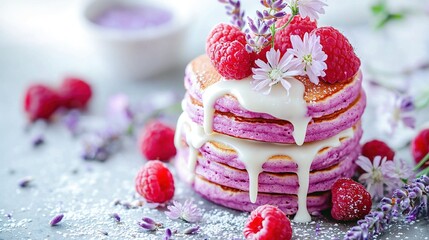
(38, 141)
(191, 230)
(57, 219)
(116, 217)
(148, 220)
(168, 233)
(147, 226)
(25, 182)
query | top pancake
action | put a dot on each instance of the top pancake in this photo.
(332, 107)
(206, 75)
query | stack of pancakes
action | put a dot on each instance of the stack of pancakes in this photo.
(220, 175)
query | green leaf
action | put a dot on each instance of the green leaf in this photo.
(378, 8)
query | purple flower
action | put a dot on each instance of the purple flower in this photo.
(395, 110)
(307, 8)
(187, 211)
(373, 178)
(57, 219)
(397, 172)
(275, 71)
(310, 57)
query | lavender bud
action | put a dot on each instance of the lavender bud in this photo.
(427, 189)
(147, 226)
(191, 230)
(386, 207)
(148, 220)
(412, 195)
(168, 233)
(116, 217)
(419, 185)
(405, 204)
(418, 191)
(399, 193)
(259, 14)
(38, 141)
(386, 200)
(279, 14)
(25, 182)
(57, 219)
(249, 49)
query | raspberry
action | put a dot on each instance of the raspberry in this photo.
(75, 93)
(223, 33)
(155, 183)
(268, 222)
(231, 60)
(350, 200)
(157, 141)
(377, 148)
(342, 61)
(226, 49)
(420, 146)
(40, 102)
(298, 26)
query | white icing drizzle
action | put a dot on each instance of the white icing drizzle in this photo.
(254, 154)
(292, 107)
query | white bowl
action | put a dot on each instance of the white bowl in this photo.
(138, 54)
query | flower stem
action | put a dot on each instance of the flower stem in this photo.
(287, 23)
(423, 161)
(423, 172)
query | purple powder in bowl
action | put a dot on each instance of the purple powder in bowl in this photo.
(132, 17)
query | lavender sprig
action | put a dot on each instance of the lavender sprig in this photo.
(233, 9)
(264, 29)
(408, 203)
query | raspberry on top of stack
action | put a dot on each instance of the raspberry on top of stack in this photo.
(272, 112)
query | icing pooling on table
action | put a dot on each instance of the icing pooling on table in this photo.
(278, 103)
(254, 154)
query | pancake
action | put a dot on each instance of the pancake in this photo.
(332, 108)
(242, 149)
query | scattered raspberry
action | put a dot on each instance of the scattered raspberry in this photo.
(231, 60)
(157, 141)
(342, 61)
(155, 183)
(350, 200)
(40, 102)
(226, 49)
(268, 222)
(420, 146)
(377, 148)
(224, 33)
(298, 26)
(75, 93)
